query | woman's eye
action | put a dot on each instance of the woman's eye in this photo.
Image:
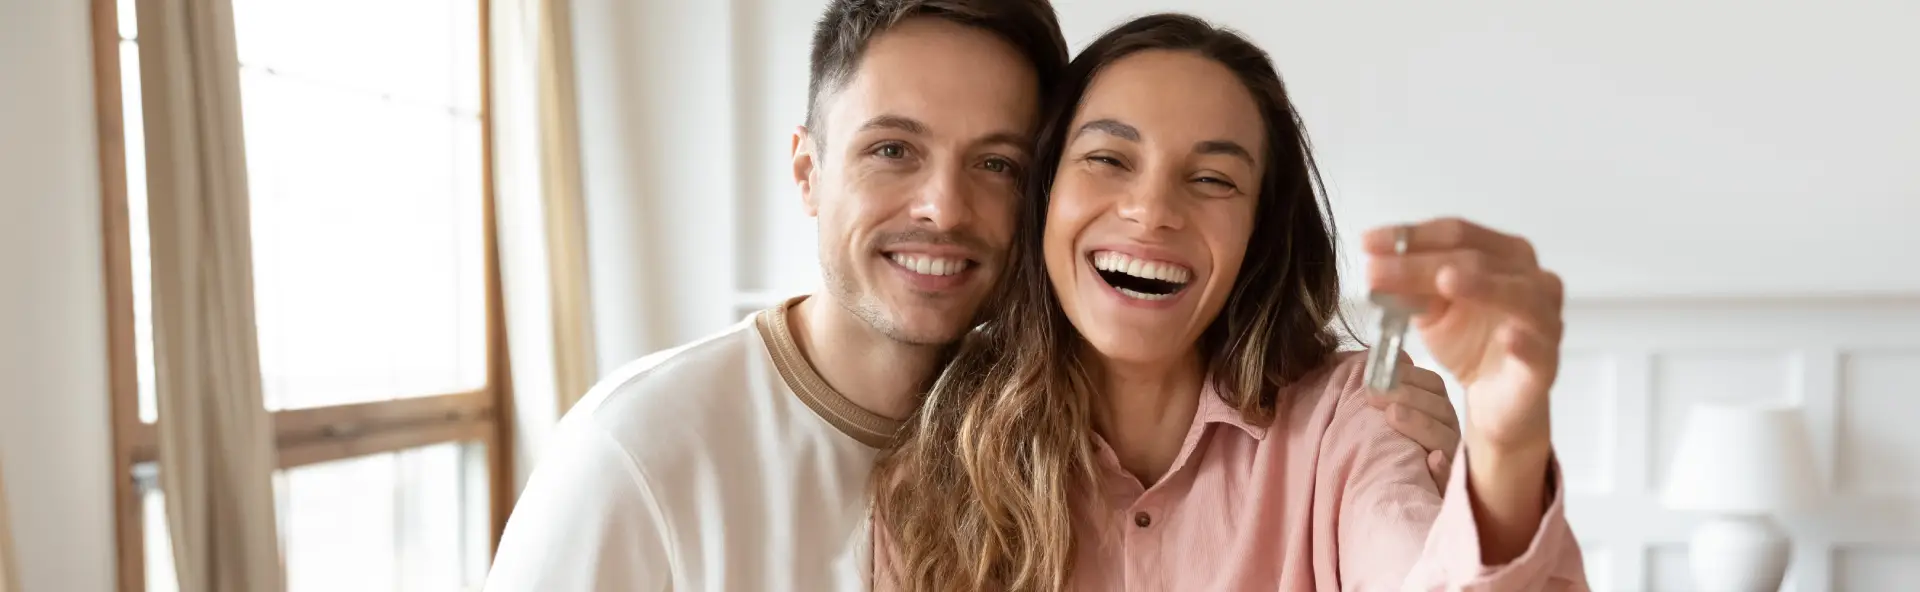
(1217, 181)
(1106, 160)
(999, 165)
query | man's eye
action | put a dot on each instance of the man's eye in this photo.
(890, 151)
(999, 165)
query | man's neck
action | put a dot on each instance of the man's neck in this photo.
(1143, 410)
(879, 374)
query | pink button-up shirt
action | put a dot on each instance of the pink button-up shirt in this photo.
(1327, 497)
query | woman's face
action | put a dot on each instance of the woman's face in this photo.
(1153, 203)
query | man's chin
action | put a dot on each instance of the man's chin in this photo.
(924, 334)
(926, 325)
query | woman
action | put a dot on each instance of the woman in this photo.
(1160, 404)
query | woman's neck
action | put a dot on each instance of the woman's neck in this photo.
(1143, 410)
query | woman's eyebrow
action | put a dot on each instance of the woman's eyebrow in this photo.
(1111, 127)
(1226, 147)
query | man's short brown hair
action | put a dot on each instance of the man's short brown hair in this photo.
(841, 37)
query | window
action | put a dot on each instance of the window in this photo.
(376, 290)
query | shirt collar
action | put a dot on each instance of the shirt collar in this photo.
(1214, 409)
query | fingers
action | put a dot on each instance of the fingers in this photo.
(1422, 428)
(1419, 409)
(1417, 273)
(1440, 465)
(1422, 391)
(1424, 379)
(1444, 234)
(1535, 298)
(1472, 276)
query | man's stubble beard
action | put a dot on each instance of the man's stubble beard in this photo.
(865, 306)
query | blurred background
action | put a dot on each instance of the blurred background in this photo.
(452, 215)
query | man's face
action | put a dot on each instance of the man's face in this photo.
(915, 176)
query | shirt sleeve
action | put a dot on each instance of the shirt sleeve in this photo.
(586, 521)
(1451, 558)
(1396, 530)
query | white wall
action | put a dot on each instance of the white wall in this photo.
(1630, 371)
(656, 98)
(54, 438)
(1651, 150)
(1728, 189)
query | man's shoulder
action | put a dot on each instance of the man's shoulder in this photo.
(684, 383)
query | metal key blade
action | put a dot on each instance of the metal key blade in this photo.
(1383, 361)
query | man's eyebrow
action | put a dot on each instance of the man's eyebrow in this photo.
(1023, 142)
(1110, 127)
(1226, 147)
(895, 122)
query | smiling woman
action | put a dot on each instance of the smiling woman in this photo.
(1165, 368)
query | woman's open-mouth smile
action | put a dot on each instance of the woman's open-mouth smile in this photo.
(1140, 280)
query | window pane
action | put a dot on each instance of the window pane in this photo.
(153, 519)
(414, 520)
(423, 51)
(365, 171)
(139, 245)
(123, 16)
(408, 521)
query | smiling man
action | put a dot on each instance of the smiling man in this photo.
(741, 461)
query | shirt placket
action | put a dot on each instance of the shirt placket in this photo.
(1145, 519)
(1143, 522)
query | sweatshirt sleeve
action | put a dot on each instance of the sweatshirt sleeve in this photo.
(587, 521)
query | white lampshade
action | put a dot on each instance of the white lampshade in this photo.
(1736, 458)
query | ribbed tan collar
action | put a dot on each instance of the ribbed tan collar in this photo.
(866, 426)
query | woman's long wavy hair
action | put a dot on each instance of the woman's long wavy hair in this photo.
(977, 493)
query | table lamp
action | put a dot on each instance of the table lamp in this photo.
(1741, 464)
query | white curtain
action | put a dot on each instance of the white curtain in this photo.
(216, 442)
(541, 215)
(8, 581)
(566, 211)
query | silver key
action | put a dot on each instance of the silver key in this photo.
(1383, 361)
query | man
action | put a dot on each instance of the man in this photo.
(740, 462)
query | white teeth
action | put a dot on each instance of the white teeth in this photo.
(1130, 265)
(928, 265)
(1142, 295)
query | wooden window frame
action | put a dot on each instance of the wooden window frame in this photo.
(302, 436)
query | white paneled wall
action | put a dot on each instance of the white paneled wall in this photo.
(1727, 189)
(1631, 370)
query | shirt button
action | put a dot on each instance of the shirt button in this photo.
(1142, 520)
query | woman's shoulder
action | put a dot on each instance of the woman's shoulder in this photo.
(1336, 383)
(1330, 392)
